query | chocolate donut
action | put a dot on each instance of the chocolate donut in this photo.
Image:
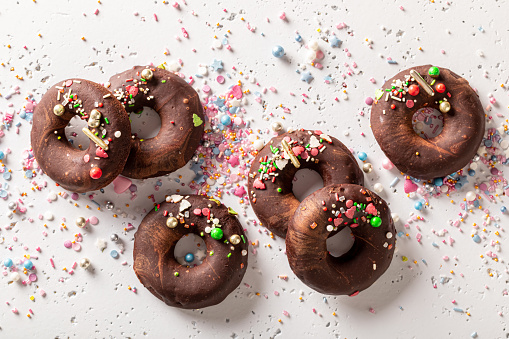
(109, 130)
(270, 181)
(190, 287)
(438, 88)
(321, 215)
(181, 113)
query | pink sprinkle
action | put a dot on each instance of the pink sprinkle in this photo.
(96, 11)
(15, 310)
(206, 89)
(176, 5)
(68, 244)
(402, 8)
(282, 16)
(93, 220)
(74, 265)
(184, 32)
(285, 313)
(42, 293)
(220, 79)
(197, 211)
(276, 293)
(32, 277)
(155, 17)
(372, 310)
(52, 263)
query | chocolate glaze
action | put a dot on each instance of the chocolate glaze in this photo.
(444, 154)
(201, 286)
(353, 271)
(274, 209)
(58, 158)
(175, 101)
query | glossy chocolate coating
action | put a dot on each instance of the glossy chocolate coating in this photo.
(194, 287)
(58, 158)
(175, 101)
(274, 209)
(354, 271)
(444, 154)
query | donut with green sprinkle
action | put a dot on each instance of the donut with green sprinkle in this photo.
(323, 214)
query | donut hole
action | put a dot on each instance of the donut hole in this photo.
(75, 135)
(146, 124)
(341, 242)
(428, 122)
(305, 182)
(190, 246)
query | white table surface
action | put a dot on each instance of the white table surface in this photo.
(471, 38)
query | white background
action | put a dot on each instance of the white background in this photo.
(404, 303)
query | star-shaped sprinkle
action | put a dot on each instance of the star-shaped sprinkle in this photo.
(306, 76)
(217, 65)
(335, 42)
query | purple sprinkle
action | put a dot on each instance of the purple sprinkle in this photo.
(133, 188)
(75, 196)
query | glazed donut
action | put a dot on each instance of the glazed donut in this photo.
(190, 287)
(109, 130)
(318, 217)
(438, 88)
(270, 181)
(181, 113)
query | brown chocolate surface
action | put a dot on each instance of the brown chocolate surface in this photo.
(336, 165)
(364, 263)
(62, 162)
(176, 102)
(194, 287)
(444, 154)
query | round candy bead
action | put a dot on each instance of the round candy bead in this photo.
(418, 205)
(8, 262)
(189, 257)
(440, 88)
(444, 106)
(387, 164)
(413, 90)
(438, 181)
(216, 233)
(95, 172)
(114, 254)
(362, 156)
(367, 167)
(503, 209)
(226, 120)
(278, 51)
(471, 172)
(28, 264)
(433, 72)
(2, 155)
(471, 196)
(376, 221)
(298, 38)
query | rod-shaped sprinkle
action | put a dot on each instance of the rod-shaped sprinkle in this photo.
(422, 82)
(95, 138)
(292, 156)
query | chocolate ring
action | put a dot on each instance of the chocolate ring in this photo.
(109, 131)
(190, 287)
(318, 217)
(451, 150)
(270, 181)
(181, 113)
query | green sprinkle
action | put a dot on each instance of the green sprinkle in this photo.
(243, 239)
(163, 81)
(216, 233)
(433, 82)
(176, 274)
(107, 121)
(378, 94)
(229, 255)
(376, 222)
(279, 189)
(202, 234)
(197, 121)
(211, 253)
(76, 105)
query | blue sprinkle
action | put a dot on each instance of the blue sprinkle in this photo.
(8, 262)
(392, 61)
(471, 172)
(7, 176)
(458, 309)
(488, 143)
(28, 264)
(114, 254)
(438, 181)
(476, 238)
(29, 174)
(2, 155)
(503, 209)
(394, 182)
(278, 51)
(434, 244)
(400, 234)
(325, 300)
(3, 193)
(298, 38)
(474, 335)
(418, 205)
(362, 156)
(424, 261)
